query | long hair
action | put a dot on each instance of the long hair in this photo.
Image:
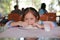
(43, 6)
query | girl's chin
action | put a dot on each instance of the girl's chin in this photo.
(31, 24)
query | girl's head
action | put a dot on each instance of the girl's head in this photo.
(43, 6)
(30, 15)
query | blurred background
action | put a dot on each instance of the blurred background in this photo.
(6, 6)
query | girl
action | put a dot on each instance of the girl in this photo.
(30, 19)
(42, 10)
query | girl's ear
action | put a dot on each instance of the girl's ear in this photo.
(37, 18)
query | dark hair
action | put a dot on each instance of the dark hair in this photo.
(33, 11)
(16, 6)
(43, 6)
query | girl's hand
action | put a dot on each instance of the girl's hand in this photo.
(24, 24)
(38, 25)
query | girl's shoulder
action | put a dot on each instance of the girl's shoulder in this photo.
(47, 22)
(54, 24)
(43, 22)
(8, 23)
(40, 10)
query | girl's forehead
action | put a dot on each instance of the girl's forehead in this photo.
(29, 13)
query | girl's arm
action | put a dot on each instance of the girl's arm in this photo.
(19, 23)
(38, 25)
(16, 23)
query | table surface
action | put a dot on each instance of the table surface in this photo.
(17, 33)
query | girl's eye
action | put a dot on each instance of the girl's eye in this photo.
(26, 19)
(31, 18)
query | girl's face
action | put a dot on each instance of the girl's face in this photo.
(30, 18)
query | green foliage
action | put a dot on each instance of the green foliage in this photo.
(36, 3)
(5, 6)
